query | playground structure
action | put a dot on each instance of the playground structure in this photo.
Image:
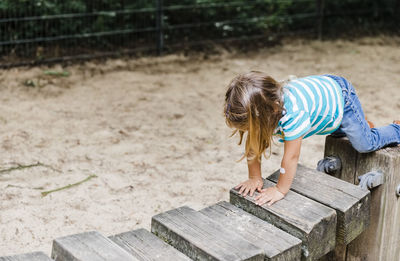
(323, 217)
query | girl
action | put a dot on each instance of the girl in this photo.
(257, 104)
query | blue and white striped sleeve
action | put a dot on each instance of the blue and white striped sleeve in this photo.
(296, 124)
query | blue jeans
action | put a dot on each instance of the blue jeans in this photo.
(355, 126)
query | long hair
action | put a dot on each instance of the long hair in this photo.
(253, 103)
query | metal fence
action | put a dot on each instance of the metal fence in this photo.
(38, 31)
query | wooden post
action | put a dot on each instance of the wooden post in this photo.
(381, 240)
(396, 12)
(319, 4)
(159, 24)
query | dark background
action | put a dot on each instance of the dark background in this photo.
(35, 31)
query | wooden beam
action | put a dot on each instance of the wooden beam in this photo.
(277, 244)
(351, 203)
(306, 219)
(34, 256)
(88, 246)
(200, 238)
(380, 241)
(348, 157)
(146, 246)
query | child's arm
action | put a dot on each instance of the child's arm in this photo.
(289, 163)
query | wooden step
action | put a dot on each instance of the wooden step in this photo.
(277, 244)
(88, 246)
(312, 222)
(200, 238)
(34, 256)
(352, 204)
(146, 246)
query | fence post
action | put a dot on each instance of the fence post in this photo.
(320, 14)
(159, 21)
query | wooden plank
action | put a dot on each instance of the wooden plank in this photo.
(200, 238)
(146, 246)
(381, 241)
(34, 256)
(341, 147)
(351, 203)
(306, 219)
(88, 246)
(277, 244)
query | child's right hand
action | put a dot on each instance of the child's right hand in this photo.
(249, 186)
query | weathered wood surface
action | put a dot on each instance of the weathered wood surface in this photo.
(88, 246)
(381, 240)
(351, 203)
(34, 256)
(277, 244)
(348, 157)
(200, 238)
(347, 173)
(306, 219)
(146, 246)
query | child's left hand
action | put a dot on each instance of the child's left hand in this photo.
(271, 195)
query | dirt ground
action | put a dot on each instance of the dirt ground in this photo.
(152, 131)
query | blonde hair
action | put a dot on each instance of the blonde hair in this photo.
(253, 103)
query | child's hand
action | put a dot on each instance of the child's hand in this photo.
(249, 186)
(271, 195)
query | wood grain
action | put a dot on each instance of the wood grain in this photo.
(381, 240)
(306, 219)
(277, 244)
(88, 246)
(352, 204)
(201, 238)
(146, 246)
(34, 256)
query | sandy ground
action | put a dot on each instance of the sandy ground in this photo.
(153, 132)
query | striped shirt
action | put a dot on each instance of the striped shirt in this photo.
(312, 105)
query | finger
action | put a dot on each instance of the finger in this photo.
(271, 198)
(252, 191)
(264, 194)
(259, 189)
(238, 186)
(242, 189)
(271, 202)
(263, 200)
(246, 191)
(259, 196)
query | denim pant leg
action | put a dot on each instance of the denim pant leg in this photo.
(356, 128)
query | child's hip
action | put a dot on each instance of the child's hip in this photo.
(347, 88)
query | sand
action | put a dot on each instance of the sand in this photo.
(152, 130)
